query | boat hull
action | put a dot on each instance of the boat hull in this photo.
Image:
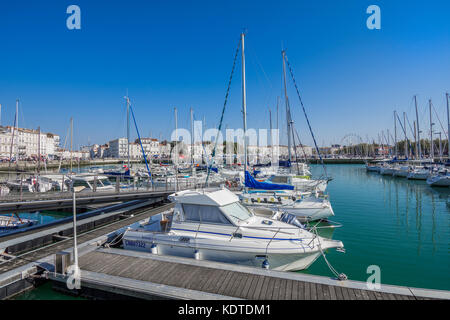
(440, 181)
(277, 261)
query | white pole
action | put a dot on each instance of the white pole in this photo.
(176, 150)
(244, 101)
(418, 128)
(448, 128)
(75, 248)
(431, 134)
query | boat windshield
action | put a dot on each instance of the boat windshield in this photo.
(236, 211)
(106, 182)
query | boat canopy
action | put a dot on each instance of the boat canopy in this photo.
(250, 182)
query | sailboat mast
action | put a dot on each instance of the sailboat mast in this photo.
(448, 127)
(176, 150)
(244, 100)
(192, 140)
(415, 140)
(128, 131)
(39, 150)
(17, 131)
(395, 133)
(288, 120)
(71, 142)
(271, 138)
(406, 139)
(418, 129)
(431, 133)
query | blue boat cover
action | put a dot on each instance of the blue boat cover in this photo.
(250, 182)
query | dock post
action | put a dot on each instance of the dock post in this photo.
(117, 184)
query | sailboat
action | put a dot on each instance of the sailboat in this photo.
(214, 225)
(304, 205)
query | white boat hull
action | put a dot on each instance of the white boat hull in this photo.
(439, 181)
(277, 261)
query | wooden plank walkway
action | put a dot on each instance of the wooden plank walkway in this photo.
(223, 280)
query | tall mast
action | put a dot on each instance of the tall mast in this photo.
(128, 130)
(395, 132)
(39, 150)
(192, 140)
(288, 120)
(448, 127)
(418, 128)
(406, 138)
(431, 133)
(176, 150)
(17, 131)
(271, 138)
(415, 140)
(71, 142)
(0, 114)
(244, 101)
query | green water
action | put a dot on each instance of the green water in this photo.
(45, 292)
(402, 226)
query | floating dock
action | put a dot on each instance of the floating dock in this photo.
(118, 272)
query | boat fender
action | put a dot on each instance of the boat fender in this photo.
(154, 248)
(265, 264)
(294, 199)
(197, 255)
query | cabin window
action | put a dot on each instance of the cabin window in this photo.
(236, 211)
(204, 214)
(278, 179)
(106, 182)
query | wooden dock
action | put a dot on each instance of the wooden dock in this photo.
(148, 276)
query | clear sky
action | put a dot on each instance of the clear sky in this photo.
(179, 54)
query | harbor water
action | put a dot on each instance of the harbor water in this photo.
(399, 225)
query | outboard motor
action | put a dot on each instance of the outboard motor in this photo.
(291, 219)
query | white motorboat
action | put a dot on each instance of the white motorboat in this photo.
(418, 173)
(92, 183)
(401, 171)
(372, 168)
(387, 170)
(439, 180)
(31, 184)
(214, 225)
(12, 222)
(305, 206)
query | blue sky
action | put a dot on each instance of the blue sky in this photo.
(179, 54)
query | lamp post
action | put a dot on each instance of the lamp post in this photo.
(75, 248)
